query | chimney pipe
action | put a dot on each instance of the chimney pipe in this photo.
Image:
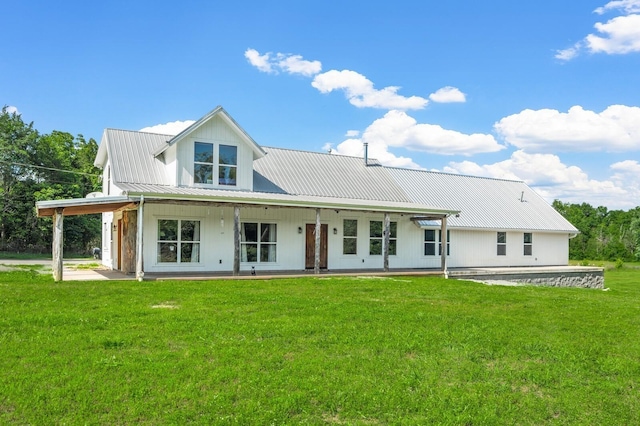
(366, 153)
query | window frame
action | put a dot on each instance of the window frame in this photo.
(352, 239)
(259, 244)
(180, 242)
(437, 239)
(528, 245)
(501, 245)
(393, 238)
(233, 168)
(197, 163)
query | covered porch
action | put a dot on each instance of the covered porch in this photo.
(130, 230)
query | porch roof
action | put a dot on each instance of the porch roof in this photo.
(78, 206)
(170, 193)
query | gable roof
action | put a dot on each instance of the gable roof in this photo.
(131, 157)
(219, 112)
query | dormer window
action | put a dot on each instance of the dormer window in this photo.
(228, 165)
(203, 163)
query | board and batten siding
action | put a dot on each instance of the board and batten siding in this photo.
(217, 132)
(478, 248)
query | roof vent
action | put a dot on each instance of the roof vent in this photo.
(366, 153)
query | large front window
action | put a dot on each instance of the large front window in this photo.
(178, 241)
(376, 233)
(349, 236)
(203, 163)
(258, 242)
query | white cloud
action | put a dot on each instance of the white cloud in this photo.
(629, 6)
(171, 128)
(396, 129)
(360, 91)
(553, 179)
(291, 64)
(259, 61)
(615, 129)
(352, 133)
(620, 35)
(448, 94)
(12, 110)
(569, 53)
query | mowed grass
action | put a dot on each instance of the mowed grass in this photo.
(406, 350)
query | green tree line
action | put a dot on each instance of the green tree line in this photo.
(36, 167)
(604, 234)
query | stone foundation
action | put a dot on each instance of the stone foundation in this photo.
(558, 277)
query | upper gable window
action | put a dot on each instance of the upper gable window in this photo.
(203, 163)
(228, 165)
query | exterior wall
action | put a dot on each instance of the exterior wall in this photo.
(467, 248)
(215, 131)
(474, 248)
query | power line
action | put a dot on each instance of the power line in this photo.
(49, 168)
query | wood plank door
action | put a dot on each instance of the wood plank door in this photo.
(310, 248)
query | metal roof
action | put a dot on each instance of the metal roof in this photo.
(302, 178)
(484, 203)
(130, 155)
(325, 175)
(277, 199)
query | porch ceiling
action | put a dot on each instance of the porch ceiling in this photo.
(79, 206)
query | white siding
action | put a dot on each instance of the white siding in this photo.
(467, 248)
(217, 132)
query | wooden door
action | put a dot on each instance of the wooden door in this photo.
(310, 249)
(119, 244)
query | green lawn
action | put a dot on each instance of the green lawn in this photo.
(368, 351)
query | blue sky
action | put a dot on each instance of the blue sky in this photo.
(547, 92)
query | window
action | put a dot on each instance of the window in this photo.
(430, 238)
(376, 234)
(429, 242)
(528, 243)
(228, 165)
(258, 242)
(203, 163)
(178, 241)
(349, 236)
(502, 243)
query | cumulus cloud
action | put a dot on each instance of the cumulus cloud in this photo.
(448, 94)
(553, 179)
(360, 92)
(12, 110)
(171, 128)
(619, 35)
(396, 129)
(628, 6)
(352, 133)
(616, 129)
(274, 63)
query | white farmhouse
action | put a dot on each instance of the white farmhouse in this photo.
(211, 200)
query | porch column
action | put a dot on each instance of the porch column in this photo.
(443, 245)
(139, 253)
(56, 248)
(385, 241)
(236, 240)
(316, 261)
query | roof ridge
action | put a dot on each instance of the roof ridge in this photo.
(453, 174)
(319, 153)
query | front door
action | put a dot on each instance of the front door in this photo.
(310, 252)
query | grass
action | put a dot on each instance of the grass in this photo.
(318, 351)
